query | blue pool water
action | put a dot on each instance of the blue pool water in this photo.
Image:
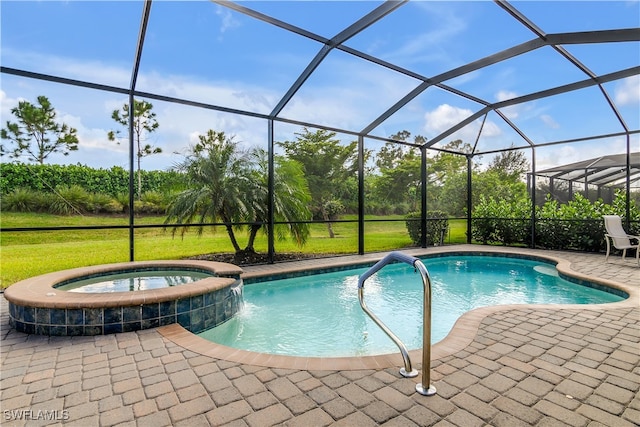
(319, 315)
(129, 281)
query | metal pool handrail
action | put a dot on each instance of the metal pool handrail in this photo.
(425, 388)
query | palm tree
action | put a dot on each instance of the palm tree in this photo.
(230, 186)
(218, 173)
(291, 203)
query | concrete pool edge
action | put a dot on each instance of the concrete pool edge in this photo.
(460, 336)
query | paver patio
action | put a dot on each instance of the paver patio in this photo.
(520, 366)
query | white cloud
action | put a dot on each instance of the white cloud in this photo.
(6, 104)
(560, 155)
(427, 46)
(503, 95)
(194, 137)
(347, 94)
(228, 21)
(446, 116)
(95, 138)
(549, 121)
(231, 94)
(450, 24)
(627, 92)
(490, 129)
(87, 70)
(512, 112)
(90, 111)
(91, 138)
(350, 97)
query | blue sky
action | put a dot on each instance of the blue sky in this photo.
(205, 52)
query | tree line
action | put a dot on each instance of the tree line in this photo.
(330, 167)
(315, 177)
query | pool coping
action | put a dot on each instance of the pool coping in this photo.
(461, 335)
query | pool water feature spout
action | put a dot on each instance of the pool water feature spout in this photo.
(236, 292)
(424, 388)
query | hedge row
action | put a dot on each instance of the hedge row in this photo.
(113, 181)
(576, 225)
(74, 200)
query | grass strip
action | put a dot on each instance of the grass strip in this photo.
(28, 254)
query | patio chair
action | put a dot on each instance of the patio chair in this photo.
(620, 239)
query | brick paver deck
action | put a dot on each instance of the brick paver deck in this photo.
(521, 366)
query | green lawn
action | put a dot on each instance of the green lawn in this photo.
(27, 254)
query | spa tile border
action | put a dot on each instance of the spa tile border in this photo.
(37, 307)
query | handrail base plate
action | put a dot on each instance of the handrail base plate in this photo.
(429, 391)
(413, 373)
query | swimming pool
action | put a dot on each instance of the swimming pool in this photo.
(283, 316)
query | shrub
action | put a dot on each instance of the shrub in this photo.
(586, 235)
(483, 225)
(123, 199)
(618, 207)
(151, 202)
(576, 225)
(142, 207)
(156, 201)
(500, 221)
(551, 231)
(69, 200)
(23, 200)
(437, 226)
(103, 203)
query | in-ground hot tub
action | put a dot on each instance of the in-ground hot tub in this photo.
(36, 306)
